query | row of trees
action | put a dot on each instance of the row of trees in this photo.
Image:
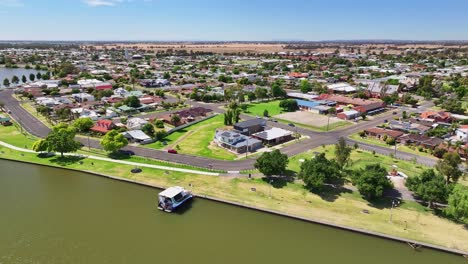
(15, 79)
(319, 171)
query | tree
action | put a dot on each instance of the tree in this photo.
(175, 119)
(38, 76)
(305, 86)
(83, 124)
(272, 163)
(167, 76)
(289, 105)
(148, 129)
(6, 82)
(40, 145)
(371, 181)
(429, 186)
(161, 134)
(319, 170)
(458, 203)
(159, 123)
(15, 79)
(113, 141)
(265, 113)
(24, 79)
(332, 111)
(62, 139)
(32, 77)
(132, 101)
(448, 167)
(261, 93)
(342, 152)
(277, 91)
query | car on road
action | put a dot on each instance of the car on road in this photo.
(127, 152)
(291, 125)
(394, 113)
(172, 151)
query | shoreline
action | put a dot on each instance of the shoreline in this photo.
(273, 212)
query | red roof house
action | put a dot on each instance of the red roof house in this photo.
(103, 126)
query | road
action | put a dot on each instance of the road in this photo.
(316, 139)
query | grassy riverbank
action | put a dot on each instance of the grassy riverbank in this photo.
(411, 220)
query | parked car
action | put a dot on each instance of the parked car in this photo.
(394, 113)
(172, 151)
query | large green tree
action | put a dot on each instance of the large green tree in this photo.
(289, 105)
(371, 181)
(458, 203)
(113, 141)
(305, 86)
(83, 124)
(448, 167)
(342, 152)
(319, 170)
(40, 145)
(132, 101)
(429, 186)
(62, 139)
(272, 163)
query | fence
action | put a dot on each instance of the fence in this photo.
(190, 124)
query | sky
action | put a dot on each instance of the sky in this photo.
(233, 20)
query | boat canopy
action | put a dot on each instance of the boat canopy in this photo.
(171, 192)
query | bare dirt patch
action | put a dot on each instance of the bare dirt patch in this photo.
(308, 118)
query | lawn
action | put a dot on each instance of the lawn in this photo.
(380, 143)
(256, 109)
(12, 135)
(340, 208)
(359, 159)
(197, 140)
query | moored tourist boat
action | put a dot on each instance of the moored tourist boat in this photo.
(173, 197)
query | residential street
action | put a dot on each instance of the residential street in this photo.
(37, 128)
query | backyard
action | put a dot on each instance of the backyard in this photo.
(197, 140)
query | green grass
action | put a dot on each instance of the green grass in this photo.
(12, 135)
(256, 109)
(359, 159)
(380, 143)
(411, 220)
(197, 140)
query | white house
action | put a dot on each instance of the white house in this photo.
(462, 134)
(136, 123)
(83, 97)
(137, 136)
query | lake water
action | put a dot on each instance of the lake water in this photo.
(53, 215)
(10, 72)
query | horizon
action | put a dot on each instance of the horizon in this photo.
(249, 21)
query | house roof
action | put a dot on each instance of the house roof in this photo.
(272, 133)
(381, 131)
(303, 103)
(137, 134)
(250, 123)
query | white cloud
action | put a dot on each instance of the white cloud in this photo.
(96, 3)
(101, 2)
(11, 3)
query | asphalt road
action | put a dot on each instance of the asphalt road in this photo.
(37, 128)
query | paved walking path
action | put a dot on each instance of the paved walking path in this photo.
(143, 165)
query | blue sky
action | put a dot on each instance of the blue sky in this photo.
(262, 20)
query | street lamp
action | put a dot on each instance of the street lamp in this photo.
(394, 203)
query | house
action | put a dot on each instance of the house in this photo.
(377, 89)
(443, 117)
(381, 133)
(137, 136)
(409, 127)
(420, 140)
(251, 126)
(313, 106)
(462, 134)
(187, 115)
(103, 86)
(136, 123)
(236, 142)
(348, 115)
(343, 88)
(274, 136)
(83, 97)
(103, 126)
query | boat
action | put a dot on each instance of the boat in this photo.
(173, 197)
